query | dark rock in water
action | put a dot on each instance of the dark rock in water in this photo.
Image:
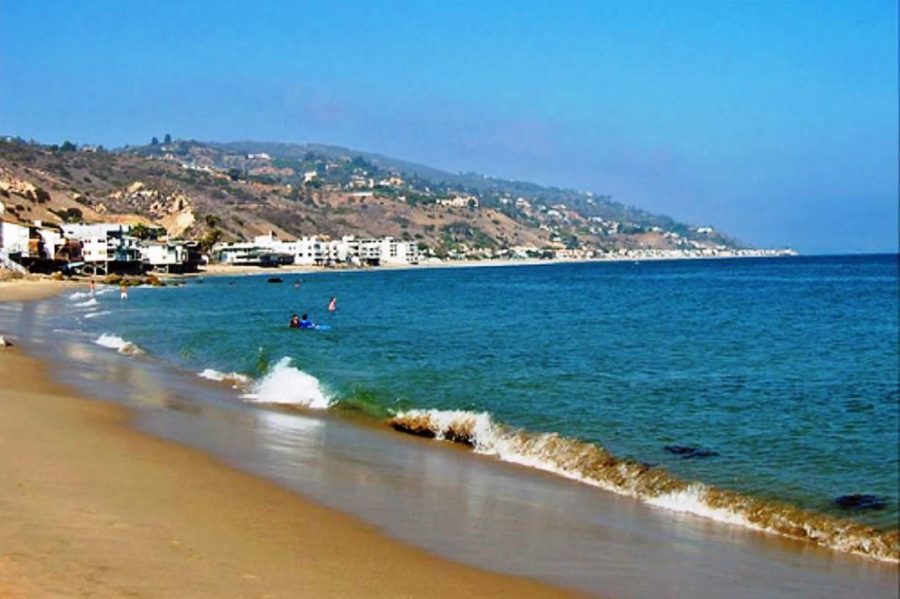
(419, 431)
(858, 501)
(687, 452)
(679, 449)
(274, 280)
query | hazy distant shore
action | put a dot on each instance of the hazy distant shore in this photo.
(218, 269)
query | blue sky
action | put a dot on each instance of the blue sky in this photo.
(776, 122)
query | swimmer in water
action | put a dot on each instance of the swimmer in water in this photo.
(306, 323)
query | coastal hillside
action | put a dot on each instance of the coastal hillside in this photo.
(234, 191)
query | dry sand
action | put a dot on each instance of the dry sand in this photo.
(32, 289)
(90, 507)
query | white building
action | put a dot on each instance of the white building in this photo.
(172, 256)
(15, 238)
(459, 201)
(105, 245)
(310, 251)
(35, 241)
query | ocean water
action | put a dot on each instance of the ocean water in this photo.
(753, 392)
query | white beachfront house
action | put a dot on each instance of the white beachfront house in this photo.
(36, 241)
(106, 247)
(15, 239)
(171, 256)
(388, 251)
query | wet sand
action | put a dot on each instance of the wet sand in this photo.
(92, 507)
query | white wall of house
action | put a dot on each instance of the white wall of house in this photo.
(52, 239)
(94, 249)
(81, 231)
(15, 238)
(164, 254)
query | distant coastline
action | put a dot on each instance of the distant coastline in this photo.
(217, 269)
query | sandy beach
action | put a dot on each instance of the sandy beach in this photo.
(91, 507)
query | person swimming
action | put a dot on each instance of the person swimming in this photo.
(306, 323)
(295, 322)
(332, 304)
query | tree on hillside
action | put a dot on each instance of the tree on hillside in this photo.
(141, 231)
(154, 141)
(72, 215)
(67, 146)
(209, 239)
(167, 139)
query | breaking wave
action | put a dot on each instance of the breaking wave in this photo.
(122, 346)
(593, 465)
(283, 384)
(235, 379)
(96, 314)
(87, 304)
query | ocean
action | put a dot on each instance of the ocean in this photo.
(759, 396)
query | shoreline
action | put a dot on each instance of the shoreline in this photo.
(95, 506)
(228, 270)
(221, 270)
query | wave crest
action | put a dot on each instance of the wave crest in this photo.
(235, 379)
(96, 314)
(122, 346)
(592, 464)
(284, 384)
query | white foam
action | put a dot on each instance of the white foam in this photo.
(79, 295)
(96, 314)
(487, 438)
(117, 343)
(88, 304)
(235, 379)
(284, 384)
(574, 459)
(693, 500)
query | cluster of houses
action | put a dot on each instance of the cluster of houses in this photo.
(110, 248)
(91, 249)
(268, 250)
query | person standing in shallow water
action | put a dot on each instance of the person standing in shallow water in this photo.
(123, 291)
(332, 304)
(295, 322)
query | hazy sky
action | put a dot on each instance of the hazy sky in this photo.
(776, 122)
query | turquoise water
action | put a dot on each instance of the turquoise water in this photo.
(786, 370)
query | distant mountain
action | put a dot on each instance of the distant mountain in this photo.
(587, 204)
(232, 191)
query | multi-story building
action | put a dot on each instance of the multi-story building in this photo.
(106, 248)
(314, 251)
